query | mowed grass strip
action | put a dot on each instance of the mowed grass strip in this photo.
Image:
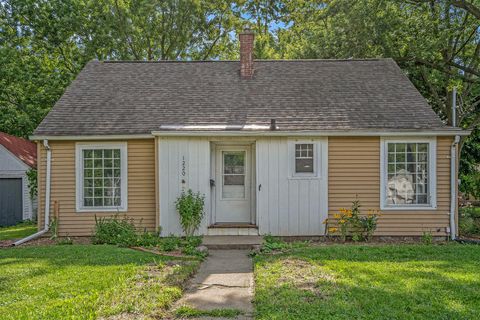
(88, 282)
(369, 282)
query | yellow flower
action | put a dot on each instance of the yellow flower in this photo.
(332, 230)
(336, 216)
(325, 221)
(342, 221)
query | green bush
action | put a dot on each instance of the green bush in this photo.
(170, 243)
(469, 222)
(113, 230)
(190, 208)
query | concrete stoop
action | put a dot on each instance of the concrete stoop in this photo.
(232, 242)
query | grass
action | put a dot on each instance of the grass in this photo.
(189, 312)
(89, 282)
(18, 231)
(369, 282)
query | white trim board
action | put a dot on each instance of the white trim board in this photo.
(326, 133)
(79, 175)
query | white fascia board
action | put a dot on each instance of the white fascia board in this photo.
(330, 133)
(92, 137)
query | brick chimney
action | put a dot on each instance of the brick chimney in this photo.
(246, 53)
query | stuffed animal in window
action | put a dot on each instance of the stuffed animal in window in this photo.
(400, 188)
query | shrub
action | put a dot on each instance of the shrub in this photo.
(113, 230)
(351, 223)
(272, 244)
(170, 243)
(469, 222)
(148, 239)
(427, 238)
(190, 208)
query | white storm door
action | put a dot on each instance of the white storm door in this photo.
(233, 182)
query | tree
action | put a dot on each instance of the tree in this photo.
(44, 44)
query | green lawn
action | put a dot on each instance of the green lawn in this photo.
(370, 282)
(88, 282)
(18, 231)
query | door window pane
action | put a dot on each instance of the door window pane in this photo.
(233, 182)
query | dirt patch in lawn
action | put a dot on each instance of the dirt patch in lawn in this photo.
(305, 276)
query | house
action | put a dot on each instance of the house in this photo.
(17, 156)
(276, 146)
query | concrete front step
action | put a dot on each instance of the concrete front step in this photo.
(232, 231)
(232, 242)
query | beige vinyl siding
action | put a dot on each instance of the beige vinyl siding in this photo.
(354, 168)
(141, 187)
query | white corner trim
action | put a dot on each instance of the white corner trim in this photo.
(432, 171)
(79, 147)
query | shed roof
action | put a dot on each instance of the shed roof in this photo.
(21, 148)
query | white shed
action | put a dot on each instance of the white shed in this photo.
(17, 156)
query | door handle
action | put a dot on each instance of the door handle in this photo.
(260, 187)
(212, 183)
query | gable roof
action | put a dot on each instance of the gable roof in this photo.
(118, 98)
(21, 148)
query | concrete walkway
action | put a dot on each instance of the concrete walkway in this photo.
(224, 281)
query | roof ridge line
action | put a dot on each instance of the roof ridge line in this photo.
(258, 60)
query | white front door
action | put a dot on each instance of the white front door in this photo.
(233, 182)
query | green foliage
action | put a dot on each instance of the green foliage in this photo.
(351, 223)
(469, 166)
(122, 232)
(32, 182)
(115, 230)
(275, 244)
(469, 221)
(53, 227)
(190, 208)
(64, 241)
(170, 243)
(427, 238)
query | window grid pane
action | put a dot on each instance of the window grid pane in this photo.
(304, 158)
(407, 173)
(101, 178)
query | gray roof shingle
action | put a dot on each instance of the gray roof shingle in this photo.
(110, 98)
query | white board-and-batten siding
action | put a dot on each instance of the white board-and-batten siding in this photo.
(184, 163)
(285, 205)
(289, 205)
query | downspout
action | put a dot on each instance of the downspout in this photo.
(453, 169)
(47, 199)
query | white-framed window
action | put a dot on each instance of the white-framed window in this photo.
(304, 158)
(408, 173)
(101, 174)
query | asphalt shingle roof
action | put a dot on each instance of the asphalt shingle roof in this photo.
(140, 97)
